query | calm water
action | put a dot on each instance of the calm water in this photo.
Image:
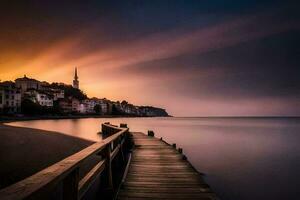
(243, 158)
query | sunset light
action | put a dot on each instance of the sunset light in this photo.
(149, 99)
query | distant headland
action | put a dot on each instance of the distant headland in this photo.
(28, 97)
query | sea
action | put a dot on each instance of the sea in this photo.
(243, 158)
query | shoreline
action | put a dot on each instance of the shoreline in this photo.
(25, 151)
(7, 119)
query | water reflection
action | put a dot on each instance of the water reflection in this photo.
(244, 158)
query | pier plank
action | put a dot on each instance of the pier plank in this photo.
(158, 171)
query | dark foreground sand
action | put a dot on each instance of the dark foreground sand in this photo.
(25, 151)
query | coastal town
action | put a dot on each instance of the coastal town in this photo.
(27, 96)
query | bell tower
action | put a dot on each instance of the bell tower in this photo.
(76, 81)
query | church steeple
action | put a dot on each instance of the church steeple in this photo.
(76, 77)
(76, 81)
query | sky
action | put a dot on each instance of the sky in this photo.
(193, 58)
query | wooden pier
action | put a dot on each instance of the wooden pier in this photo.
(129, 166)
(159, 171)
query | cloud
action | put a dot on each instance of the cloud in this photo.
(171, 64)
(72, 50)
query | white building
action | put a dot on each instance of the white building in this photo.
(89, 105)
(2, 100)
(44, 99)
(104, 106)
(58, 94)
(26, 83)
(83, 108)
(10, 98)
(75, 105)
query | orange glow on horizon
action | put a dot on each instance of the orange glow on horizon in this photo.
(120, 70)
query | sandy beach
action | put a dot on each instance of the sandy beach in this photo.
(25, 151)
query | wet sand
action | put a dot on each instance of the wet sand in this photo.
(25, 151)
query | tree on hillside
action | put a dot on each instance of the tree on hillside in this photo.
(28, 107)
(115, 110)
(97, 109)
(70, 91)
(124, 102)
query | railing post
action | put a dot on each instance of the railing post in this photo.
(108, 166)
(70, 185)
(150, 133)
(180, 150)
(121, 147)
(174, 145)
(122, 125)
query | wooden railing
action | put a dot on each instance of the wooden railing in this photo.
(63, 179)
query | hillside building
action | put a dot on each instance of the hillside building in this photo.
(26, 83)
(10, 98)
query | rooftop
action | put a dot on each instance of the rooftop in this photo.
(25, 78)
